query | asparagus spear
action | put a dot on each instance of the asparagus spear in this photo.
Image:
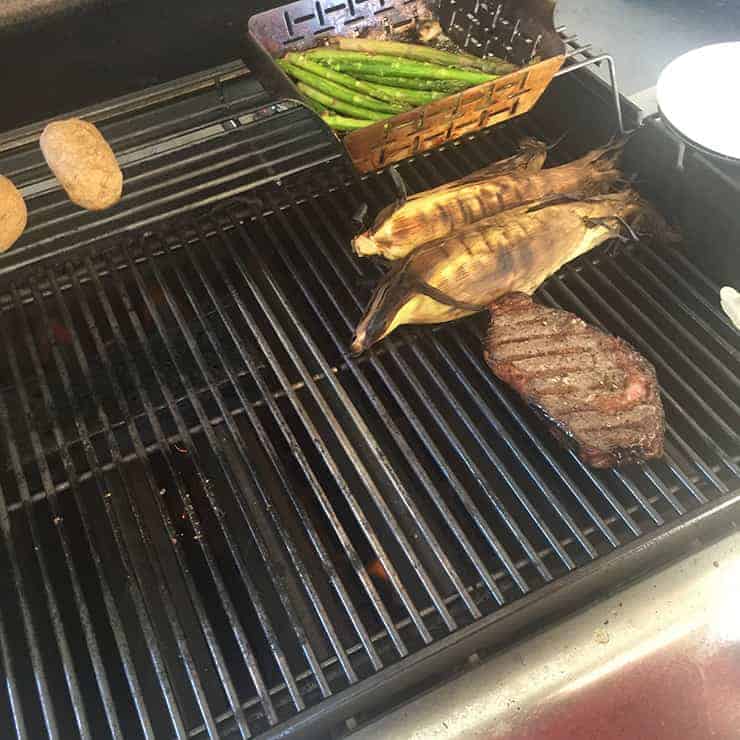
(416, 83)
(314, 106)
(340, 106)
(381, 65)
(342, 123)
(348, 81)
(335, 121)
(403, 95)
(330, 88)
(421, 53)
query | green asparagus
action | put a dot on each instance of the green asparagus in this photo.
(416, 83)
(334, 90)
(302, 61)
(382, 65)
(340, 106)
(404, 94)
(314, 106)
(342, 123)
(421, 53)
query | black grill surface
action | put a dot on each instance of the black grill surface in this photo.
(213, 517)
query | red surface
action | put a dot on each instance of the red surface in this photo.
(687, 690)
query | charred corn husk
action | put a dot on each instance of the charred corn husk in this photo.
(436, 214)
(512, 251)
(530, 158)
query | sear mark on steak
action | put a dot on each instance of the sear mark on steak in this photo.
(598, 394)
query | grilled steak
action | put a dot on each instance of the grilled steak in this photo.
(598, 393)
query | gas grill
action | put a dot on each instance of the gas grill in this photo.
(217, 523)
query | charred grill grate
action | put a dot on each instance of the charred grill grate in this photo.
(214, 518)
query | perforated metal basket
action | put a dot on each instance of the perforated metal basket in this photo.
(521, 31)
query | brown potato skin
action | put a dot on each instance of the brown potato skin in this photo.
(13, 214)
(83, 162)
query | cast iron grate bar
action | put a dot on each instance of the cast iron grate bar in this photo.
(169, 597)
(194, 595)
(299, 566)
(406, 449)
(141, 455)
(59, 520)
(84, 611)
(144, 343)
(638, 269)
(348, 447)
(274, 458)
(373, 397)
(181, 417)
(708, 284)
(325, 451)
(102, 491)
(413, 460)
(325, 502)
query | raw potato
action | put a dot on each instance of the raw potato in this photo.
(83, 162)
(13, 214)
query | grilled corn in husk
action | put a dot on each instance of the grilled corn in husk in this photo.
(530, 158)
(512, 251)
(438, 213)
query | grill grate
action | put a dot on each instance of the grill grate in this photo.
(213, 517)
(218, 138)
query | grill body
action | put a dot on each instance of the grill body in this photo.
(217, 523)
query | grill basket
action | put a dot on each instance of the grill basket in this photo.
(517, 31)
